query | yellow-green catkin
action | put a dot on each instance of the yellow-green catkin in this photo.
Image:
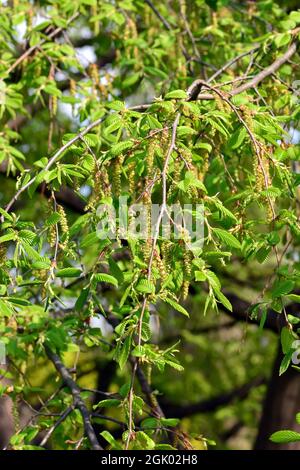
(63, 222)
(267, 181)
(116, 175)
(96, 192)
(204, 167)
(165, 140)
(183, 8)
(52, 235)
(94, 74)
(146, 250)
(29, 19)
(175, 176)
(187, 271)
(160, 266)
(147, 207)
(166, 252)
(150, 160)
(52, 98)
(96, 24)
(72, 87)
(2, 255)
(131, 179)
(130, 32)
(53, 106)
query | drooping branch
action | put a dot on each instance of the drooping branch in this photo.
(197, 85)
(77, 400)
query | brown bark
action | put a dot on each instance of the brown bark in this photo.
(281, 404)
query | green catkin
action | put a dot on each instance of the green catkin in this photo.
(150, 160)
(131, 179)
(53, 98)
(63, 225)
(185, 289)
(101, 188)
(53, 111)
(72, 87)
(105, 186)
(175, 177)
(116, 175)
(96, 25)
(205, 166)
(166, 251)
(130, 32)
(2, 255)
(165, 139)
(94, 74)
(96, 193)
(146, 250)
(187, 270)
(147, 206)
(29, 19)
(219, 103)
(160, 266)
(52, 235)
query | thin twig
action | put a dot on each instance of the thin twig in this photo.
(62, 418)
(37, 46)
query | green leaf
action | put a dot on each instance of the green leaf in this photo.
(176, 94)
(282, 288)
(237, 138)
(169, 422)
(111, 440)
(68, 272)
(82, 299)
(53, 219)
(227, 238)
(224, 301)
(109, 403)
(7, 237)
(285, 362)
(5, 309)
(285, 436)
(200, 276)
(121, 147)
(131, 80)
(150, 423)
(176, 306)
(287, 339)
(145, 287)
(124, 352)
(293, 298)
(103, 277)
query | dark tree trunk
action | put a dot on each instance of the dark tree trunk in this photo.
(282, 402)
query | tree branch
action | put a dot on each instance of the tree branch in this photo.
(77, 400)
(274, 320)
